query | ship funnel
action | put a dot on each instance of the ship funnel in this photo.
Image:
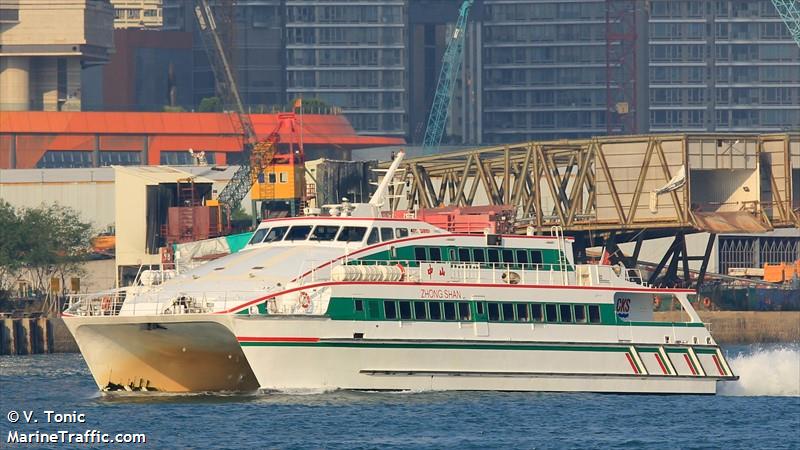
(380, 193)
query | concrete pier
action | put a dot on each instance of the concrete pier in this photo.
(26, 336)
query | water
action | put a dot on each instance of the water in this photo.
(761, 411)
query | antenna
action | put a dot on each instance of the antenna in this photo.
(377, 198)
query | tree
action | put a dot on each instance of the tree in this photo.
(168, 108)
(311, 105)
(210, 104)
(10, 245)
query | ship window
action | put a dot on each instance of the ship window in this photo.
(258, 236)
(494, 312)
(508, 312)
(389, 309)
(478, 255)
(405, 310)
(522, 256)
(494, 255)
(463, 255)
(352, 234)
(387, 234)
(536, 256)
(298, 233)
(566, 313)
(271, 178)
(453, 254)
(436, 310)
(373, 237)
(536, 312)
(324, 233)
(401, 232)
(508, 256)
(522, 312)
(479, 307)
(463, 311)
(419, 311)
(283, 177)
(580, 313)
(552, 312)
(435, 253)
(594, 313)
(276, 234)
(373, 309)
(419, 254)
(449, 311)
(359, 305)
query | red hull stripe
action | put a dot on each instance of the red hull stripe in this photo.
(630, 361)
(719, 367)
(275, 339)
(661, 364)
(479, 285)
(689, 363)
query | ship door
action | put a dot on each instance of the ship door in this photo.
(481, 322)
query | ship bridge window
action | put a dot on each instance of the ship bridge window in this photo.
(435, 254)
(419, 254)
(352, 234)
(536, 256)
(594, 313)
(324, 233)
(258, 236)
(551, 312)
(463, 255)
(373, 237)
(494, 255)
(566, 313)
(298, 233)
(508, 256)
(449, 311)
(387, 234)
(276, 234)
(478, 255)
(522, 312)
(401, 232)
(522, 256)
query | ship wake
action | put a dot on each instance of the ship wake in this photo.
(773, 372)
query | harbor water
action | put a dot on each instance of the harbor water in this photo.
(761, 410)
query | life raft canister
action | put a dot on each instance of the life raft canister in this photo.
(304, 300)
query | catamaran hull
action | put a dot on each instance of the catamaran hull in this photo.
(162, 353)
(284, 358)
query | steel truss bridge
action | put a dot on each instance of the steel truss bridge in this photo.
(615, 189)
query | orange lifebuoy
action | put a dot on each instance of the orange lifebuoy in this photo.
(707, 302)
(657, 302)
(105, 304)
(305, 300)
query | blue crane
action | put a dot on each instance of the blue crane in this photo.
(790, 13)
(451, 64)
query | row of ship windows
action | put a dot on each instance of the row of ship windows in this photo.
(480, 255)
(493, 311)
(328, 233)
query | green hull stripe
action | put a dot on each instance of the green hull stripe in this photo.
(706, 351)
(426, 345)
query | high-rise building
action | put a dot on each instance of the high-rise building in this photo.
(137, 14)
(352, 56)
(48, 47)
(728, 65)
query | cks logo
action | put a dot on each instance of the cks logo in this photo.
(623, 308)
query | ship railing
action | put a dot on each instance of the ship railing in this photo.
(110, 303)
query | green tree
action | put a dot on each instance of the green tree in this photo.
(10, 245)
(168, 108)
(210, 104)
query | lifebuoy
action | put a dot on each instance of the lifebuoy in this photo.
(707, 302)
(304, 300)
(657, 302)
(105, 304)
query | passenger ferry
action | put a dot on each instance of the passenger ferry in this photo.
(349, 299)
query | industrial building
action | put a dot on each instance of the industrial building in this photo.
(141, 14)
(532, 69)
(48, 48)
